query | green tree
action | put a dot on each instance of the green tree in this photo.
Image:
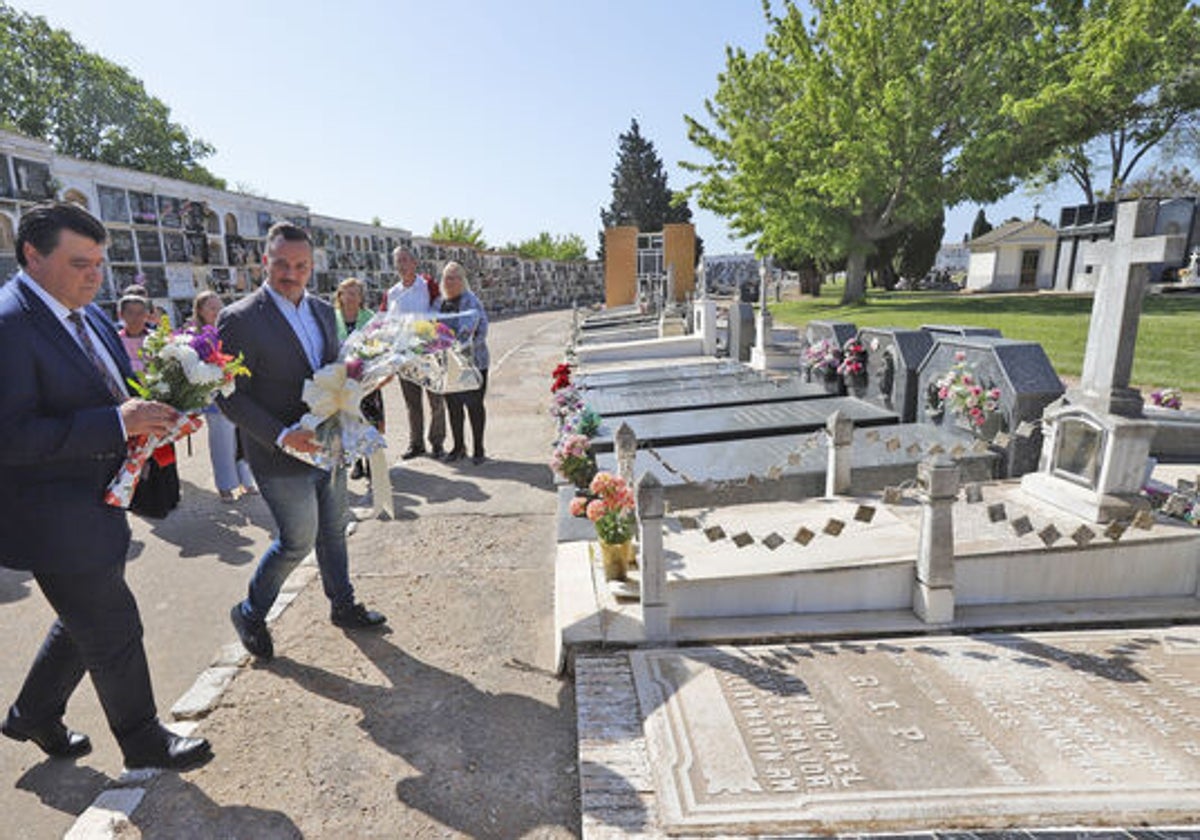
(981, 225)
(1129, 84)
(458, 232)
(876, 115)
(88, 107)
(1176, 182)
(640, 195)
(545, 246)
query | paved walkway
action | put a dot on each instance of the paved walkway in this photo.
(423, 731)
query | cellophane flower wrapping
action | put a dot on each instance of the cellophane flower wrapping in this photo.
(960, 392)
(187, 370)
(422, 349)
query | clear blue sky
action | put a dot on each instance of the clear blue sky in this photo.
(503, 111)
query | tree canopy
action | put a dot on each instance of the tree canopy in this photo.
(458, 232)
(545, 246)
(88, 107)
(640, 195)
(1130, 79)
(875, 115)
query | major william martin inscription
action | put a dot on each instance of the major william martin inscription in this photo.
(1050, 728)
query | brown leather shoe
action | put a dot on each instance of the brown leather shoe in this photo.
(54, 739)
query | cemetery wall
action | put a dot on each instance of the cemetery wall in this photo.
(178, 238)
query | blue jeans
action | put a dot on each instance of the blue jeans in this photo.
(228, 470)
(310, 512)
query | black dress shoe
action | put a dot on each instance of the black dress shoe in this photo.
(478, 458)
(54, 739)
(357, 471)
(168, 751)
(455, 455)
(356, 616)
(412, 452)
(437, 452)
(254, 636)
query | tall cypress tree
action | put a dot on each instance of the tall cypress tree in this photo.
(641, 196)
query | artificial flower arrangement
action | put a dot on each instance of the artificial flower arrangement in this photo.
(186, 370)
(584, 422)
(610, 508)
(564, 404)
(573, 459)
(822, 359)
(1167, 398)
(854, 360)
(561, 377)
(960, 392)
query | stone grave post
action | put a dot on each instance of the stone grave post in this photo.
(840, 431)
(1117, 305)
(625, 446)
(741, 329)
(933, 594)
(650, 509)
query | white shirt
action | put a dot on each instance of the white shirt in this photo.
(62, 314)
(304, 324)
(413, 299)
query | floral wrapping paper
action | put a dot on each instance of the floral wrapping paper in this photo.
(138, 451)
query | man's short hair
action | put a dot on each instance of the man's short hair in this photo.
(289, 232)
(42, 225)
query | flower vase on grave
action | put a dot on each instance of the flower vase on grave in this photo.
(618, 559)
(856, 384)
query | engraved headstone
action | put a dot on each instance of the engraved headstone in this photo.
(894, 358)
(1032, 730)
(1019, 369)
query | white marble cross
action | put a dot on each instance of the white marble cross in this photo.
(1117, 305)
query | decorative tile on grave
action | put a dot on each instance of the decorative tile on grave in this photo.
(996, 512)
(864, 513)
(974, 493)
(742, 539)
(1049, 535)
(1025, 429)
(793, 459)
(892, 495)
(1002, 439)
(804, 536)
(958, 451)
(1021, 526)
(689, 523)
(979, 446)
(1083, 535)
(1115, 531)
(871, 436)
(834, 527)
(937, 449)
(913, 449)
(1143, 520)
(714, 533)
(773, 541)
(774, 473)
(893, 443)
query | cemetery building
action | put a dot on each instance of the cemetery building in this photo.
(178, 238)
(1084, 228)
(637, 264)
(1017, 256)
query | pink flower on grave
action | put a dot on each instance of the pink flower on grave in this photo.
(976, 390)
(578, 506)
(960, 356)
(994, 393)
(943, 392)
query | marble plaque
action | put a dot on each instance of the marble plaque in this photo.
(1081, 728)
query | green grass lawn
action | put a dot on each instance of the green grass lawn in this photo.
(1168, 343)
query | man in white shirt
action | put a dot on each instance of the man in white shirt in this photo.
(415, 296)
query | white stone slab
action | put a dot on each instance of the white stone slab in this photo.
(1099, 728)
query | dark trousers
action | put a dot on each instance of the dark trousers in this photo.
(98, 631)
(472, 402)
(416, 416)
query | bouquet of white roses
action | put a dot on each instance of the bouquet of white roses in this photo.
(186, 370)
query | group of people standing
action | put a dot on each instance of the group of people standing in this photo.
(423, 297)
(65, 418)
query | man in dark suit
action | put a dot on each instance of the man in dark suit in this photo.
(64, 419)
(285, 335)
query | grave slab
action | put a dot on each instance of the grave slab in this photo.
(741, 422)
(680, 394)
(993, 731)
(794, 466)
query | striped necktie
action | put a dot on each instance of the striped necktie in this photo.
(85, 339)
